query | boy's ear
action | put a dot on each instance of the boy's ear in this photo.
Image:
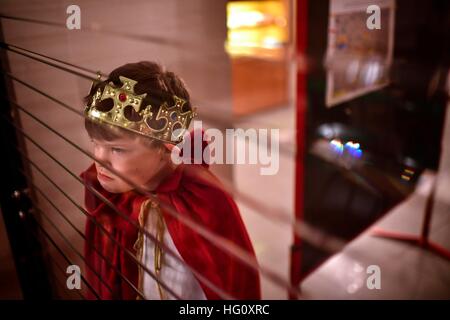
(169, 147)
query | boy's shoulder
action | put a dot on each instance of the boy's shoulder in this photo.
(201, 177)
(196, 186)
(186, 176)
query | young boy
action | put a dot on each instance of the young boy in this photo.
(132, 118)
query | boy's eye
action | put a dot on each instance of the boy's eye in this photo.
(118, 150)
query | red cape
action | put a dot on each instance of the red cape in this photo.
(194, 192)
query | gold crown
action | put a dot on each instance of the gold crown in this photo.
(168, 125)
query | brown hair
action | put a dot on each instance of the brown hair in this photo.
(160, 86)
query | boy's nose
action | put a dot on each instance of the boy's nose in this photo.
(101, 155)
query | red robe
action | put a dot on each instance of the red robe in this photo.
(194, 192)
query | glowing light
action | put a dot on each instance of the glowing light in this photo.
(337, 146)
(352, 145)
(241, 19)
(256, 28)
(405, 177)
(353, 148)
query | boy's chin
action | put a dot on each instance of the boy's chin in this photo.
(112, 188)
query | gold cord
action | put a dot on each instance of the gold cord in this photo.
(146, 208)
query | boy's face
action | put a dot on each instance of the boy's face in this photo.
(128, 156)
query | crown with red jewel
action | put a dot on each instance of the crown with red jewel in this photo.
(167, 125)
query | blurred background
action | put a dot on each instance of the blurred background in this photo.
(364, 174)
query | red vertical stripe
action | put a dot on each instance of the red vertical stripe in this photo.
(301, 37)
